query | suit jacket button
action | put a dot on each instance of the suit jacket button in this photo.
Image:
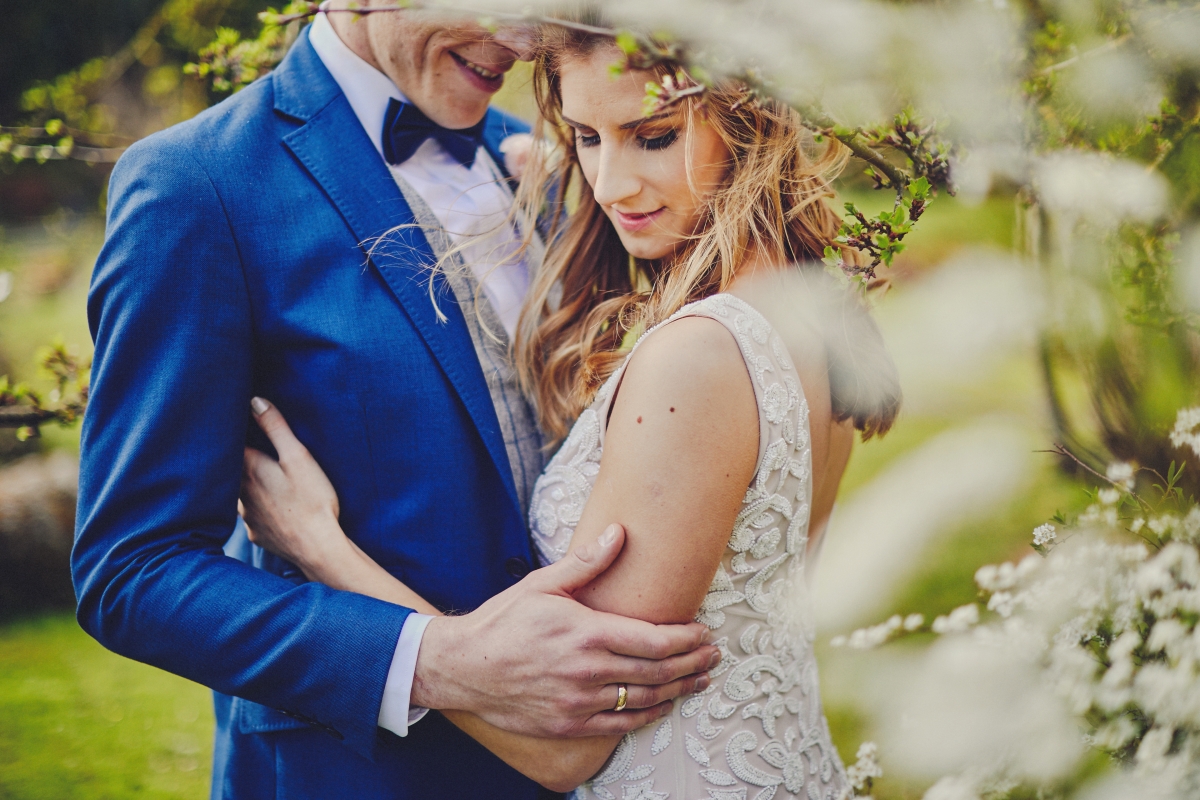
(517, 567)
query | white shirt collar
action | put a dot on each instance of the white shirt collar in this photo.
(366, 88)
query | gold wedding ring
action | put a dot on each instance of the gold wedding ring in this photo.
(622, 697)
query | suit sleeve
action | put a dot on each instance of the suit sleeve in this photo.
(160, 471)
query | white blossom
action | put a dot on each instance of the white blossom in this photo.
(1187, 429)
(866, 767)
(959, 620)
(1121, 472)
(1099, 187)
(952, 787)
(1044, 534)
(1108, 497)
(867, 638)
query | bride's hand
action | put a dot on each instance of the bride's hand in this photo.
(289, 505)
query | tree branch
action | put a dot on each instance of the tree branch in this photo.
(819, 123)
(25, 416)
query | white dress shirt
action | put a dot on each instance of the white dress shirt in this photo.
(467, 202)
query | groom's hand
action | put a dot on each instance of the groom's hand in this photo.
(533, 660)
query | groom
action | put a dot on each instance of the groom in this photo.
(239, 263)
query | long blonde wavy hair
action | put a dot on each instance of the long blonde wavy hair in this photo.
(590, 296)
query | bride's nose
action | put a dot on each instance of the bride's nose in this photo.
(616, 178)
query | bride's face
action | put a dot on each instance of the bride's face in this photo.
(639, 167)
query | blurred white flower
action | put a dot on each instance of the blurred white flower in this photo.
(977, 702)
(959, 620)
(6, 284)
(1187, 429)
(1121, 472)
(1109, 496)
(1117, 84)
(952, 787)
(1189, 268)
(1099, 188)
(867, 638)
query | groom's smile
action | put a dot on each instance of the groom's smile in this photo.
(447, 65)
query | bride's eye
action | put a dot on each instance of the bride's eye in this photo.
(659, 142)
(585, 140)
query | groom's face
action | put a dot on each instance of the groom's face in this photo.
(448, 66)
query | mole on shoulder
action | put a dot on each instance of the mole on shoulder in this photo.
(639, 420)
(672, 409)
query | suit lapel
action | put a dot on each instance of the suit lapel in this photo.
(340, 157)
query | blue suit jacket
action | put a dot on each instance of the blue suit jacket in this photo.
(235, 266)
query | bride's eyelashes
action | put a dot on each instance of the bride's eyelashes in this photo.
(652, 143)
(658, 142)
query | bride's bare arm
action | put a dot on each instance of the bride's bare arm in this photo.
(679, 452)
(293, 512)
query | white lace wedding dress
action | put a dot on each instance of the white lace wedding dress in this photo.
(758, 731)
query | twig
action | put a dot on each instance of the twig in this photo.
(818, 123)
(111, 139)
(1111, 44)
(25, 416)
(48, 152)
(1059, 449)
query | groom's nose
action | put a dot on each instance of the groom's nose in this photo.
(521, 39)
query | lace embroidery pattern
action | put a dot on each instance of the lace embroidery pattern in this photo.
(758, 732)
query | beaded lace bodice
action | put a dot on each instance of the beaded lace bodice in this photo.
(758, 731)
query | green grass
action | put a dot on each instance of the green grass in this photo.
(77, 721)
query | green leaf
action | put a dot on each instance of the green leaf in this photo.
(920, 188)
(628, 43)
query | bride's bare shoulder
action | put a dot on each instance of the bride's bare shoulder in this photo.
(686, 391)
(694, 355)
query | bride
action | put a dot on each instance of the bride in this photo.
(717, 447)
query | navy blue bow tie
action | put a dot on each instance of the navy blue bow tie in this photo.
(405, 129)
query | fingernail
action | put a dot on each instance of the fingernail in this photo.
(259, 406)
(702, 683)
(716, 659)
(706, 637)
(609, 536)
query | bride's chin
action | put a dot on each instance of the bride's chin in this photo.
(650, 250)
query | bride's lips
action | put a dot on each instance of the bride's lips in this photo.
(637, 222)
(483, 78)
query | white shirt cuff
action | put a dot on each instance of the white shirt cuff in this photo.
(396, 713)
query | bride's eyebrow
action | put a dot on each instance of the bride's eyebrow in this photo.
(623, 126)
(642, 121)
